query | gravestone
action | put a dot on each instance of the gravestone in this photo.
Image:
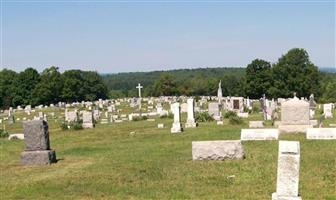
(71, 116)
(214, 110)
(184, 107)
(191, 114)
(36, 136)
(177, 127)
(220, 92)
(259, 134)
(87, 119)
(218, 150)
(321, 133)
(294, 116)
(256, 124)
(327, 110)
(288, 171)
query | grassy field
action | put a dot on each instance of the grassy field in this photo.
(107, 162)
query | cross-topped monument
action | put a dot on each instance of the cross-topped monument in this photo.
(139, 87)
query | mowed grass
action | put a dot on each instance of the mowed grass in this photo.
(107, 162)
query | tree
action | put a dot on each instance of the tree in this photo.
(294, 73)
(8, 79)
(49, 88)
(94, 87)
(258, 78)
(24, 87)
(73, 86)
(165, 85)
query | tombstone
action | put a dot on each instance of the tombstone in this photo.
(256, 124)
(259, 134)
(11, 119)
(160, 125)
(191, 114)
(177, 127)
(288, 171)
(218, 150)
(87, 119)
(214, 110)
(294, 116)
(321, 133)
(327, 110)
(16, 136)
(184, 107)
(71, 116)
(36, 136)
(219, 92)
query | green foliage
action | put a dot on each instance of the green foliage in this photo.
(3, 133)
(139, 118)
(235, 120)
(203, 117)
(294, 73)
(256, 107)
(258, 78)
(229, 114)
(77, 125)
(31, 88)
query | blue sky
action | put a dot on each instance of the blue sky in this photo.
(116, 36)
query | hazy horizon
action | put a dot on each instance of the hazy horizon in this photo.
(116, 37)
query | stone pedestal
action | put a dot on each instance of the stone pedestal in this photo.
(288, 171)
(41, 157)
(36, 136)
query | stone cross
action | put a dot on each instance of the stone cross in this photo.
(288, 171)
(139, 87)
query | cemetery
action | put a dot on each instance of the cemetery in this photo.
(147, 148)
(167, 100)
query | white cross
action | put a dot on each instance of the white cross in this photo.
(139, 88)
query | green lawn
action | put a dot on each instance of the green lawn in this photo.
(108, 163)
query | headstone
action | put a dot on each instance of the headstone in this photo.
(184, 107)
(294, 116)
(243, 114)
(191, 114)
(37, 150)
(214, 110)
(177, 127)
(256, 124)
(327, 110)
(321, 133)
(160, 125)
(218, 150)
(288, 171)
(71, 116)
(87, 119)
(259, 134)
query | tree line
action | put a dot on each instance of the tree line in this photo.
(32, 88)
(293, 72)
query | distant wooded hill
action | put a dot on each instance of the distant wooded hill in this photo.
(185, 80)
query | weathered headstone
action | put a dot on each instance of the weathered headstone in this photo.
(218, 150)
(327, 110)
(288, 171)
(36, 136)
(190, 118)
(87, 119)
(214, 110)
(256, 124)
(259, 134)
(321, 133)
(294, 116)
(177, 127)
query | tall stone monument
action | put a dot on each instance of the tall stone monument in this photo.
(219, 92)
(294, 116)
(191, 114)
(177, 127)
(36, 136)
(288, 171)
